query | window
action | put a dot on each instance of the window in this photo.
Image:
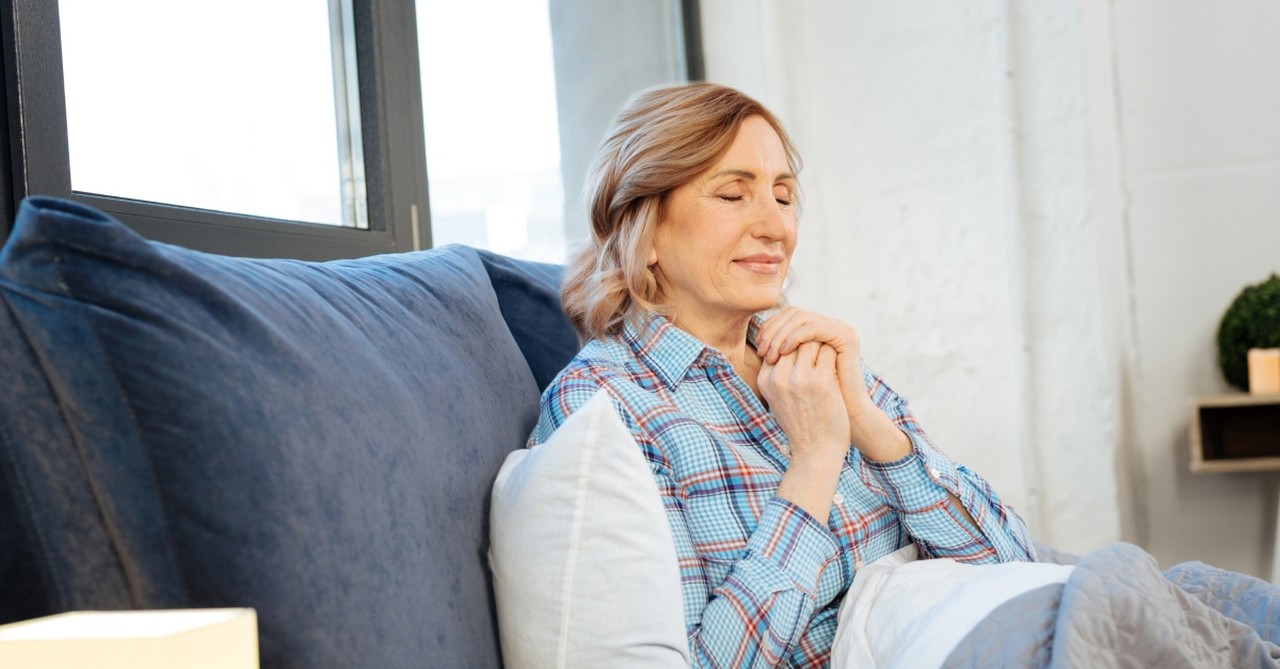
(208, 110)
(317, 144)
(493, 139)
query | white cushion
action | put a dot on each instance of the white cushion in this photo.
(584, 566)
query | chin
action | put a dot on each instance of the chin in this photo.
(751, 299)
(761, 304)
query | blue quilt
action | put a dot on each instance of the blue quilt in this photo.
(1119, 610)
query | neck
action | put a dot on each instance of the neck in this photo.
(729, 336)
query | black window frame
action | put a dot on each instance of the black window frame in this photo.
(35, 160)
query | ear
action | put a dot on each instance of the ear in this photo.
(653, 257)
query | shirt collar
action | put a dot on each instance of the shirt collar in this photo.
(669, 351)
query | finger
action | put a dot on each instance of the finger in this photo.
(769, 329)
(812, 327)
(783, 341)
(824, 329)
(805, 377)
(788, 367)
(800, 330)
(806, 355)
(782, 366)
(827, 358)
(762, 333)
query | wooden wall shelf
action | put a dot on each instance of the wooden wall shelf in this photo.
(1235, 433)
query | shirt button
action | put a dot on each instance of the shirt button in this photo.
(838, 498)
(857, 564)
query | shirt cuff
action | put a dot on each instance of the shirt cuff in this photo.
(794, 542)
(915, 482)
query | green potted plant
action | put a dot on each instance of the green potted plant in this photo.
(1252, 321)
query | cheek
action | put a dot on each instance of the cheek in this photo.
(792, 236)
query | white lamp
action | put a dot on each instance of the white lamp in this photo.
(162, 639)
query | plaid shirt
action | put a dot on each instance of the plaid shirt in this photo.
(762, 579)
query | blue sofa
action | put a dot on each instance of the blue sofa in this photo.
(314, 440)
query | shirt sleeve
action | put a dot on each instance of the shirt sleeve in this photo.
(916, 487)
(756, 617)
(566, 393)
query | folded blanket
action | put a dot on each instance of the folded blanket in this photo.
(1113, 608)
(1118, 610)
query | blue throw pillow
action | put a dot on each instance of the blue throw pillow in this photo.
(315, 440)
(529, 296)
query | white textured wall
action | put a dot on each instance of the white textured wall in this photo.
(947, 218)
(1073, 396)
(1036, 213)
(1199, 118)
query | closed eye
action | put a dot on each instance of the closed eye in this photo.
(730, 198)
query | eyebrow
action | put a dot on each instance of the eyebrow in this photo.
(745, 174)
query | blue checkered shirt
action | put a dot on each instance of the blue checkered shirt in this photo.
(763, 579)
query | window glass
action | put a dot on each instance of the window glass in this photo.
(493, 144)
(241, 106)
(517, 95)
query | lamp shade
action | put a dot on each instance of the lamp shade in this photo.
(168, 639)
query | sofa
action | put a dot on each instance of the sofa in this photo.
(316, 440)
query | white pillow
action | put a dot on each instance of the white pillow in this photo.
(584, 566)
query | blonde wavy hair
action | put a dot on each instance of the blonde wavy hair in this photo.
(661, 139)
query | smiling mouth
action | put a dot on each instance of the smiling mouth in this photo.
(760, 265)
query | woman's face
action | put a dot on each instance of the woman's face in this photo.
(724, 242)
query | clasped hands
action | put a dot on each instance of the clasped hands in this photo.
(811, 376)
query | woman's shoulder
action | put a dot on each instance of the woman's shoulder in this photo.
(603, 364)
(600, 359)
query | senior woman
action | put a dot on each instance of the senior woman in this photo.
(784, 465)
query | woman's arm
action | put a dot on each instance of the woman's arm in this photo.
(925, 486)
(756, 616)
(880, 439)
(803, 392)
(947, 509)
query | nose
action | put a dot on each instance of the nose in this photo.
(772, 221)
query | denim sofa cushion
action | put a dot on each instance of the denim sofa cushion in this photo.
(314, 440)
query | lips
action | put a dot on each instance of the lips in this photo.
(760, 263)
